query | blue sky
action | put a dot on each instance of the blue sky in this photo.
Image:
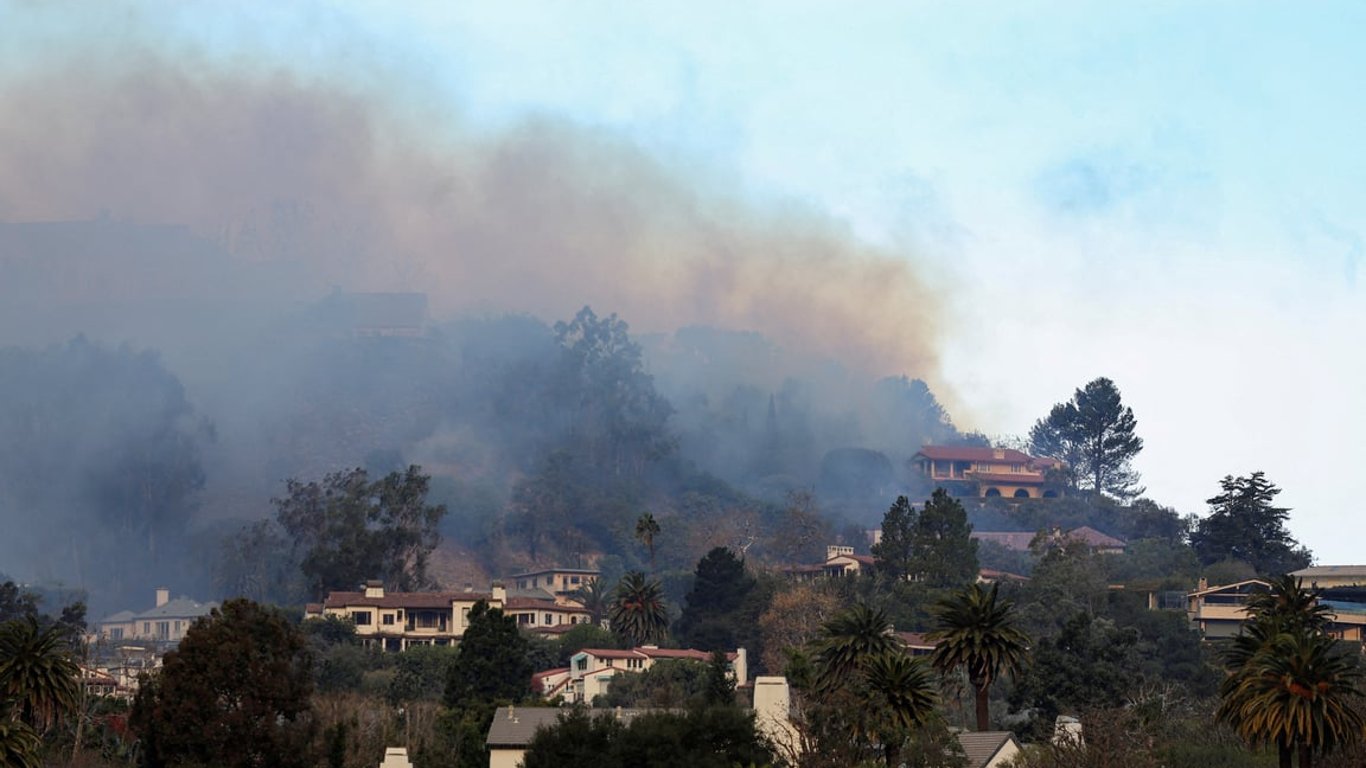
(1169, 194)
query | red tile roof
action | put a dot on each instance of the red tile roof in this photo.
(406, 600)
(1095, 538)
(973, 453)
(610, 653)
(915, 640)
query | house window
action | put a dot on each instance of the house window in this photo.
(523, 618)
(116, 633)
(549, 620)
(583, 663)
(609, 662)
(464, 617)
(363, 618)
(635, 663)
(146, 627)
(388, 619)
(573, 579)
(163, 630)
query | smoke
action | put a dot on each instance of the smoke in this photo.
(304, 186)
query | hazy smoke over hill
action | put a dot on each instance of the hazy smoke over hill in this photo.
(204, 213)
(307, 186)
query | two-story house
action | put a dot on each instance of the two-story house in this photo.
(1219, 611)
(591, 670)
(396, 621)
(559, 582)
(987, 472)
(165, 623)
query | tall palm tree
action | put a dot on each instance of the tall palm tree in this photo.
(638, 611)
(646, 529)
(977, 631)
(1296, 694)
(37, 672)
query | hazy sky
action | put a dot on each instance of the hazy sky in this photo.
(1168, 194)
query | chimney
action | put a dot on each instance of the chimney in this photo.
(741, 667)
(1202, 585)
(499, 594)
(374, 588)
(998, 454)
(163, 596)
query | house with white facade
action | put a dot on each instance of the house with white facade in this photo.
(591, 670)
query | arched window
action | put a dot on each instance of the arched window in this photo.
(1021, 493)
(993, 493)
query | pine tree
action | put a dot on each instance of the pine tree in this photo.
(943, 553)
(893, 552)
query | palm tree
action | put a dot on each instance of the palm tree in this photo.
(646, 528)
(849, 639)
(978, 632)
(1286, 682)
(19, 744)
(594, 597)
(1296, 694)
(906, 689)
(857, 645)
(37, 672)
(638, 611)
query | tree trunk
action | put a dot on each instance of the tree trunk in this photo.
(891, 753)
(1283, 755)
(983, 715)
(1306, 756)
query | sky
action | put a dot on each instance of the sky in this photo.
(1170, 194)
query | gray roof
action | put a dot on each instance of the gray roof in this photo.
(179, 608)
(514, 726)
(121, 617)
(1349, 571)
(981, 746)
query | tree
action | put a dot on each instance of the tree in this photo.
(348, 529)
(712, 617)
(491, 664)
(895, 550)
(639, 614)
(596, 598)
(794, 618)
(705, 737)
(977, 632)
(646, 530)
(1288, 683)
(858, 658)
(618, 422)
(19, 744)
(37, 672)
(1245, 524)
(236, 692)
(1090, 664)
(943, 553)
(1093, 434)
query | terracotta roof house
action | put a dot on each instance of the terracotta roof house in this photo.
(987, 472)
(591, 670)
(840, 560)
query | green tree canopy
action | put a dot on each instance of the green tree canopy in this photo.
(491, 664)
(710, 737)
(1245, 524)
(943, 553)
(977, 632)
(348, 529)
(894, 551)
(234, 693)
(712, 617)
(1093, 433)
(38, 673)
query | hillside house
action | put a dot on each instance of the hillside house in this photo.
(1219, 611)
(840, 560)
(165, 623)
(988, 749)
(987, 472)
(558, 582)
(591, 670)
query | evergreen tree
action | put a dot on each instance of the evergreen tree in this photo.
(1245, 524)
(491, 663)
(895, 551)
(1093, 434)
(712, 617)
(943, 553)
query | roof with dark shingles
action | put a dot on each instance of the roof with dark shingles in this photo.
(981, 746)
(514, 726)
